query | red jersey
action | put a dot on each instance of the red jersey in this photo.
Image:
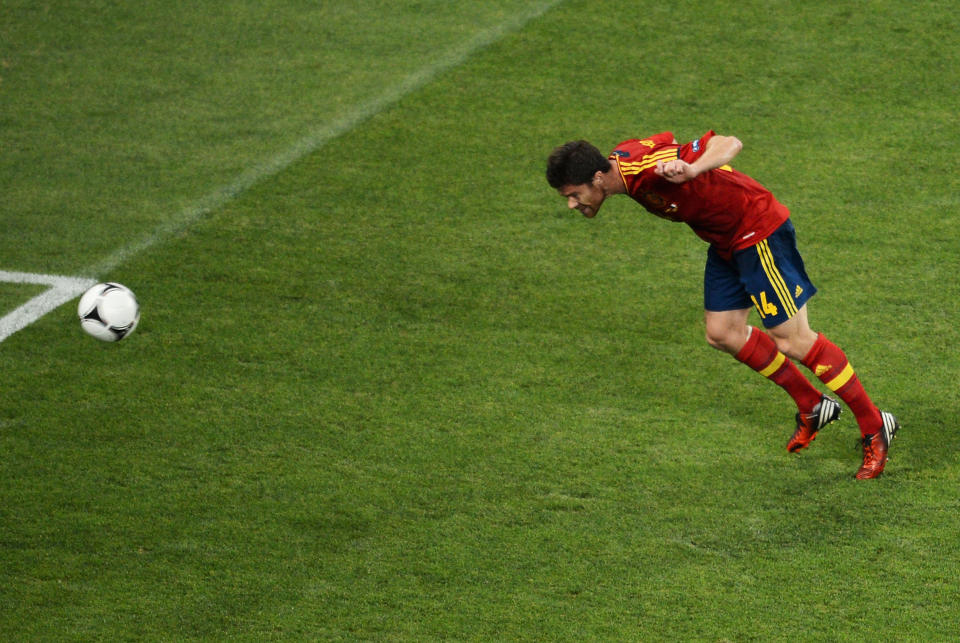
(726, 208)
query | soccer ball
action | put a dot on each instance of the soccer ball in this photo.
(108, 311)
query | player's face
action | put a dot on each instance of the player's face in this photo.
(586, 197)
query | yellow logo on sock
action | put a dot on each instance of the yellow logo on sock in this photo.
(821, 369)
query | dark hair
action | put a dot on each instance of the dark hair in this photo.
(575, 163)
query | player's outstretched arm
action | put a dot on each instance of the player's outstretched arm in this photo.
(720, 150)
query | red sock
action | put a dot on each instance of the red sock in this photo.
(761, 354)
(828, 362)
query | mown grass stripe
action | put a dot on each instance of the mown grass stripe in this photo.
(319, 137)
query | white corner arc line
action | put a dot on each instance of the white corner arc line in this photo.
(62, 290)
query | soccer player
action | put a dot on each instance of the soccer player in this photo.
(752, 262)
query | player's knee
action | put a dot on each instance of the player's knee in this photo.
(714, 340)
(794, 345)
(784, 344)
(726, 331)
(723, 338)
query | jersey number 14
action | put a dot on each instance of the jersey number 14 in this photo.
(764, 307)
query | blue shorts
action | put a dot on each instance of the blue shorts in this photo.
(768, 276)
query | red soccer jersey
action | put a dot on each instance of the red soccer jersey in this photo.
(726, 208)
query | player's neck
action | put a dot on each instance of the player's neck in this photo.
(613, 180)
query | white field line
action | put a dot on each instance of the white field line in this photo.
(63, 289)
(320, 136)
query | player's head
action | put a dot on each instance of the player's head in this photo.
(576, 170)
(575, 163)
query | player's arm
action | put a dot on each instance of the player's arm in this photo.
(719, 151)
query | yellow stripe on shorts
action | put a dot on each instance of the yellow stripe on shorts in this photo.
(776, 279)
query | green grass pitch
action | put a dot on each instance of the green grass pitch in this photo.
(385, 387)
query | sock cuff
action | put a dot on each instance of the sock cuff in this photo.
(829, 363)
(750, 345)
(814, 353)
(761, 353)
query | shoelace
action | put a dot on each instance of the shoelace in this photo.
(866, 444)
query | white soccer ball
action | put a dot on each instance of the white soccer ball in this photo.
(108, 311)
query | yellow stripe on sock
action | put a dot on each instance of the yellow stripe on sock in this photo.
(841, 379)
(773, 366)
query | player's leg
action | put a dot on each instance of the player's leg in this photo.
(729, 331)
(781, 293)
(772, 274)
(830, 364)
(784, 274)
(726, 317)
(794, 336)
(877, 428)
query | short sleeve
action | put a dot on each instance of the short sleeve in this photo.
(693, 150)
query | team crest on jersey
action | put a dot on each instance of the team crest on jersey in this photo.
(659, 206)
(696, 146)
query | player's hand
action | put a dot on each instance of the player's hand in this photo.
(676, 171)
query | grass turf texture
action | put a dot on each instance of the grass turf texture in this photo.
(397, 391)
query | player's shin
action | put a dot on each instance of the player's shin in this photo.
(830, 364)
(761, 354)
